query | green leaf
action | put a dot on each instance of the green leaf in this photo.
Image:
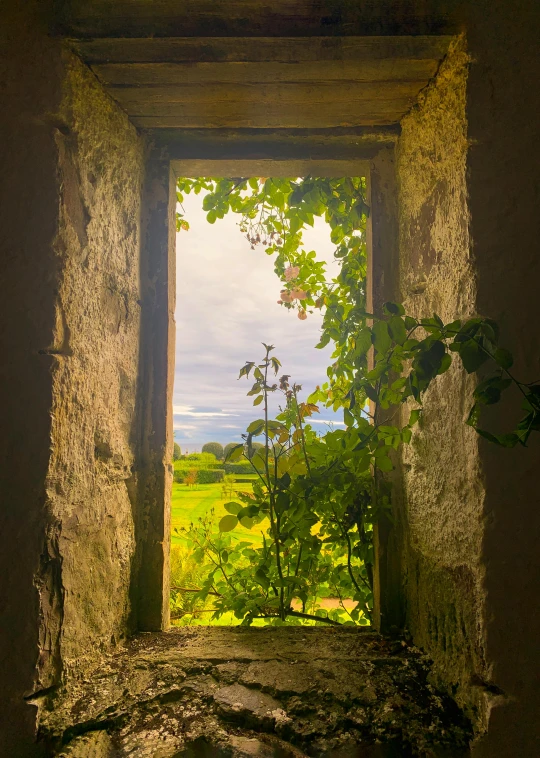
(453, 327)
(235, 453)
(227, 523)
(258, 400)
(233, 508)
(410, 323)
(503, 440)
(383, 463)
(256, 427)
(471, 356)
(503, 358)
(381, 337)
(363, 341)
(211, 217)
(415, 415)
(474, 416)
(262, 579)
(275, 364)
(393, 309)
(208, 202)
(446, 362)
(397, 330)
(371, 392)
(489, 391)
(224, 556)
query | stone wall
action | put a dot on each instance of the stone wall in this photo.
(95, 349)
(442, 483)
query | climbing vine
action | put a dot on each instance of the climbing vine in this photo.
(317, 498)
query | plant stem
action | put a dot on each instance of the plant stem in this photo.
(271, 493)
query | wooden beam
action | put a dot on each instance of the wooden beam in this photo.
(261, 49)
(156, 74)
(314, 115)
(267, 167)
(258, 96)
(303, 18)
(338, 144)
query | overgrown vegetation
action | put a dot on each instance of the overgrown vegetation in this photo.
(322, 495)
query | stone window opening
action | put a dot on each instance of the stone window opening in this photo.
(234, 260)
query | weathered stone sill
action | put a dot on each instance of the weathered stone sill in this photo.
(222, 691)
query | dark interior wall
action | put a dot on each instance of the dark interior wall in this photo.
(503, 169)
(468, 163)
(70, 226)
(31, 75)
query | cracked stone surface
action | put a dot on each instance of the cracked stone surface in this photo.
(268, 692)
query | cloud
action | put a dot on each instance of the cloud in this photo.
(205, 414)
(331, 422)
(226, 306)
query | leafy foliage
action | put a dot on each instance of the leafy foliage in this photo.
(177, 452)
(317, 497)
(199, 476)
(321, 496)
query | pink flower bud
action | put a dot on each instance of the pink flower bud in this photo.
(302, 315)
(292, 272)
(286, 296)
(298, 295)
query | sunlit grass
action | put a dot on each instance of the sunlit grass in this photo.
(190, 503)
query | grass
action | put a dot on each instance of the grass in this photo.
(187, 505)
(190, 503)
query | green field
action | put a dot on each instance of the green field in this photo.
(190, 503)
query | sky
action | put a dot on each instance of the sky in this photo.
(226, 306)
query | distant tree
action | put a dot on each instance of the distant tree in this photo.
(228, 489)
(190, 479)
(177, 452)
(214, 447)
